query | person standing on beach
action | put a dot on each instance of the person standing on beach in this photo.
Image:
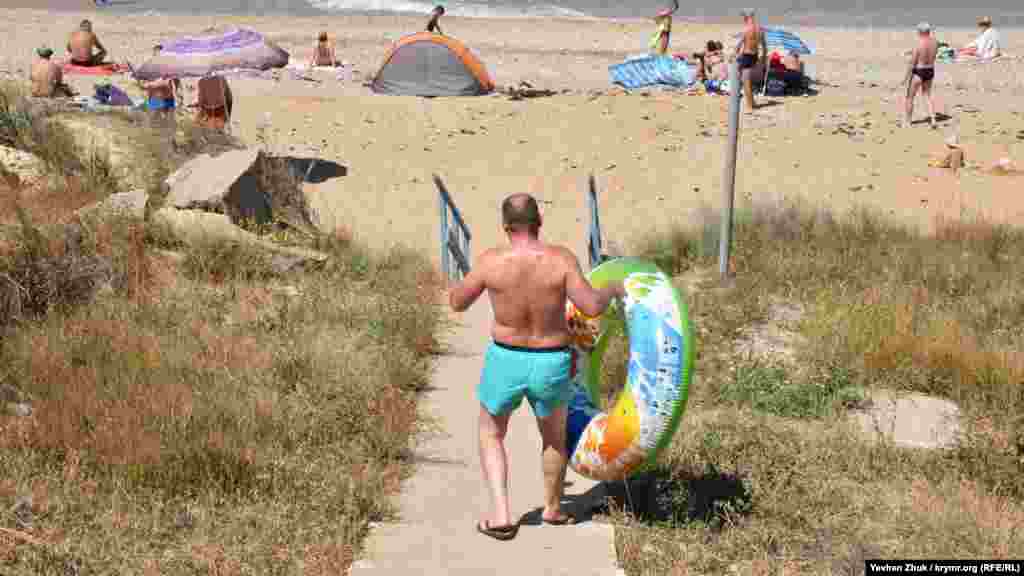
(528, 282)
(750, 49)
(47, 77)
(432, 25)
(659, 42)
(81, 45)
(921, 72)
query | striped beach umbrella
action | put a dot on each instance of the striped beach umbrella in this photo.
(778, 38)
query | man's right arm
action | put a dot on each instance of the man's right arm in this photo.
(589, 301)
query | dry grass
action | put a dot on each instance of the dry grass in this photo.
(766, 475)
(197, 413)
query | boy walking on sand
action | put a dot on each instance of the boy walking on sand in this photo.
(528, 282)
(921, 72)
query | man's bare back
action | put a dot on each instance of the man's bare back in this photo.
(925, 53)
(81, 44)
(752, 39)
(527, 287)
(46, 77)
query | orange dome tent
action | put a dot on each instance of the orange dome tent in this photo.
(429, 65)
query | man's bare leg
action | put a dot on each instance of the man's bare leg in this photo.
(554, 457)
(926, 91)
(748, 89)
(911, 94)
(494, 462)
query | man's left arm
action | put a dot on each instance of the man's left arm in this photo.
(466, 292)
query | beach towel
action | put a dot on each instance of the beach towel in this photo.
(108, 69)
(112, 95)
(651, 71)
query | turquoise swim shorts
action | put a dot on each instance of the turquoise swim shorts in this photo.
(511, 372)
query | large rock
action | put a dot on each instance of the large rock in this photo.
(225, 184)
(131, 204)
(197, 227)
(910, 420)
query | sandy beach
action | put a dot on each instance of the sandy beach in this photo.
(657, 155)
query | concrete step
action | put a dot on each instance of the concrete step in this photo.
(583, 550)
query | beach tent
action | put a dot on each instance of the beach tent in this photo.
(427, 64)
(213, 52)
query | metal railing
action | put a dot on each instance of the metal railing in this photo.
(454, 239)
(594, 227)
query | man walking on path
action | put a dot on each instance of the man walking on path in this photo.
(921, 72)
(528, 282)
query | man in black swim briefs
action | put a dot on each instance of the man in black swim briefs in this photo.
(921, 72)
(749, 50)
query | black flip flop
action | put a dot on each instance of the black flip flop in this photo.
(567, 520)
(498, 532)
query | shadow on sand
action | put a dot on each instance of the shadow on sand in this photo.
(315, 170)
(658, 496)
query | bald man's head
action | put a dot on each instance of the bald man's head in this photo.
(520, 212)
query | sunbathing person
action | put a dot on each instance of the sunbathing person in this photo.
(793, 72)
(47, 77)
(323, 52)
(81, 44)
(214, 103)
(986, 45)
(714, 61)
(433, 25)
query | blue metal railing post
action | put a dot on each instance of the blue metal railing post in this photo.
(445, 262)
(455, 241)
(594, 228)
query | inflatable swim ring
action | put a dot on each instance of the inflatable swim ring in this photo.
(645, 414)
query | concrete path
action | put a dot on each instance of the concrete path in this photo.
(440, 505)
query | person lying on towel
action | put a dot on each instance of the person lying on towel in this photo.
(81, 44)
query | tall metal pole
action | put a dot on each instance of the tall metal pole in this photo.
(729, 174)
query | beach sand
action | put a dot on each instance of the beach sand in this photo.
(657, 155)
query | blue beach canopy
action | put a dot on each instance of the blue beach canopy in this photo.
(778, 38)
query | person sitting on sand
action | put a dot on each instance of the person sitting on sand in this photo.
(921, 72)
(81, 44)
(47, 77)
(214, 103)
(714, 61)
(432, 25)
(793, 72)
(986, 45)
(954, 155)
(323, 52)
